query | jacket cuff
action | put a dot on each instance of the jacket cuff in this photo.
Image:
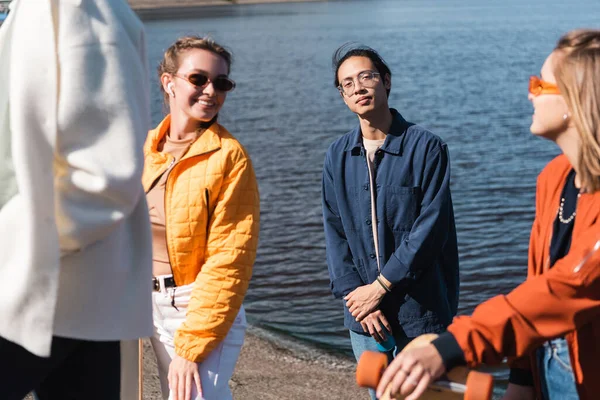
(189, 355)
(520, 376)
(451, 353)
(395, 271)
(345, 284)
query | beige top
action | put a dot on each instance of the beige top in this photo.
(156, 206)
(371, 146)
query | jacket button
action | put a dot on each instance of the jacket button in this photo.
(368, 222)
(372, 255)
(366, 187)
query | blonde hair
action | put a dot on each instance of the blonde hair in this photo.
(577, 74)
(171, 59)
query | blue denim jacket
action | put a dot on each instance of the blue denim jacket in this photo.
(415, 226)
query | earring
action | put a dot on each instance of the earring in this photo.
(565, 116)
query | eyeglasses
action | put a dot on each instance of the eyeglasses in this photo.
(538, 87)
(221, 83)
(367, 79)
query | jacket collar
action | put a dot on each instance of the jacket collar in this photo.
(393, 141)
(208, 141)
(587, 211)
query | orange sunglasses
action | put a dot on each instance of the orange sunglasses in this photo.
(538, 87)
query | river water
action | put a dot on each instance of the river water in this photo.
(460, 68)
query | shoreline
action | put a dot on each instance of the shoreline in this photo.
(172, 9)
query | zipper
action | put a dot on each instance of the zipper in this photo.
(168, 172)
(155, 181)
(166, 205)
(207, 197)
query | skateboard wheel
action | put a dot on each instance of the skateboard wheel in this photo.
(370, 368)
(479, 386)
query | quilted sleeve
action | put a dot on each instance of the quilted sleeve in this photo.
(221, 285)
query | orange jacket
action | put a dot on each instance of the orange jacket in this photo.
(564, 300)
(212, 224)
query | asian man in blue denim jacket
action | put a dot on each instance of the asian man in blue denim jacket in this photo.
(389, 223)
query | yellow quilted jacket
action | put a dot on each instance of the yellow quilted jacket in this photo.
(212, 224)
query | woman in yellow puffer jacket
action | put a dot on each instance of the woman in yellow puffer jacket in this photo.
(204, 208)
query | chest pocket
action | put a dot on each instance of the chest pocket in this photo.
(401, 206)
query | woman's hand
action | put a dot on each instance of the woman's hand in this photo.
(518, 392)
(411, 372)
(364, 299)
(182, 375)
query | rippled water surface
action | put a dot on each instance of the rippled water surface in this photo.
(460, 68)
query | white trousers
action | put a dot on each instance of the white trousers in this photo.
(217, 368)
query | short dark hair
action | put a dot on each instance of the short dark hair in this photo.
(352, 49)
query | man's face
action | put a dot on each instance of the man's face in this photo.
(362, 88)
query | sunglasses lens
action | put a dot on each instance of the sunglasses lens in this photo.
(198, 79)
(224, 84)
(535, 86)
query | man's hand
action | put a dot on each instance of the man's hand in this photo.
(182, 375)
(411, 372)
(374, 324)
(364, 299)
(518, 392)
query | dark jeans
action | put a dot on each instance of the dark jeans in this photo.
(75, 370)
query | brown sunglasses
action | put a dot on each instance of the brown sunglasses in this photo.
(221, 83)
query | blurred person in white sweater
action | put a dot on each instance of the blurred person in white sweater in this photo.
(75, 244)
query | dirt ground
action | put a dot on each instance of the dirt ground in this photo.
(267, 371)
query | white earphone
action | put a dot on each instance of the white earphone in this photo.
(170, 89)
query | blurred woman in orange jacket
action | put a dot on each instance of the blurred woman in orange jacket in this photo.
(204, 208)
(549, 326)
